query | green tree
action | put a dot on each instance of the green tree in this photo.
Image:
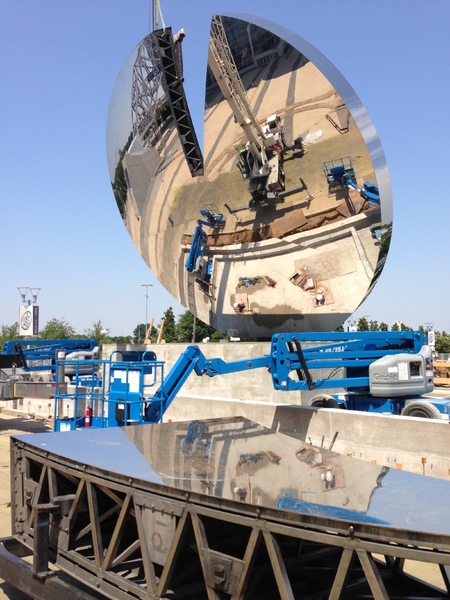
(57, 329)
(402, 327)
(120, 188)
(99, 333)
(122, 339)
(442, 342)
(8, 332)
(140, 331)
(185, 327)
(169, 331)
(384, 326)
(363, 325)
(373, 326)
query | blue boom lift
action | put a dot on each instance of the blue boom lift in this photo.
(23, 363)
(40, 355)
(384, 372)
(340, 174)
(196, 262)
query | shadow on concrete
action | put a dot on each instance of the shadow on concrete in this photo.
(293, 420)
(22, 423)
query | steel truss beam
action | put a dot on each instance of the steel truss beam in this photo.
(172, 79)
(133, 539)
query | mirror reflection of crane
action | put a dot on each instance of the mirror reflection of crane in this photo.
(260, 158)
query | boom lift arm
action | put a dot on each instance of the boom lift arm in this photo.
(380, 363)
(40, 355)
(340, 173)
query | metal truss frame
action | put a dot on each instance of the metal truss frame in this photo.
(172, 80)
(145, 87)
(128, 538)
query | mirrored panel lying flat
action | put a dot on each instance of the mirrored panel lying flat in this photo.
(284, 222)
(239, 462)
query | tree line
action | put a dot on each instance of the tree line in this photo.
(184, 329)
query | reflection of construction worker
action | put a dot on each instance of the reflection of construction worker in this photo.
(241, 493)
(329, 479)
(320, 296)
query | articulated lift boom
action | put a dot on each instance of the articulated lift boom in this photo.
(373, 371)
(382, 367)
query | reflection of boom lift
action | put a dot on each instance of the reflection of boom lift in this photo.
(340, 174)
(196, 262)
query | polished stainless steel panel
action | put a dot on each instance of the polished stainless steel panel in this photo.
(293, 253)
(240, 461)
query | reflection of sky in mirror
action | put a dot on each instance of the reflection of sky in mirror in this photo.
(119, 125)
(107, 449)
(411, 501)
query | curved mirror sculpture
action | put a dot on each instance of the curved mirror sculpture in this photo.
(285, 223)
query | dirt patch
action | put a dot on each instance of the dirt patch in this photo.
(248, 236)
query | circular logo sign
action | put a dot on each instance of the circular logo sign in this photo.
(26, 320)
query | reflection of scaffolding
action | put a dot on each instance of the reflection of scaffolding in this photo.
(146, 88)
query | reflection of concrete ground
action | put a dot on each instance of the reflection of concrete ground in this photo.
(247, 463)
(342, 255)
(261, 469)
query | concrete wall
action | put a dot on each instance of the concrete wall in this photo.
(249, 385)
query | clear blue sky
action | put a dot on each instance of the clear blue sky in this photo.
(60, 229)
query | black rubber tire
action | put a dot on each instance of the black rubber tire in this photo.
(323, 401)
(421, 408)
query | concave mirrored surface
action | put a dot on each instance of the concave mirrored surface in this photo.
(284, 223)
(236, 460)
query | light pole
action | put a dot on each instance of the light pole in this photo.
(34, 292)
(146, 285)
(352, 325)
